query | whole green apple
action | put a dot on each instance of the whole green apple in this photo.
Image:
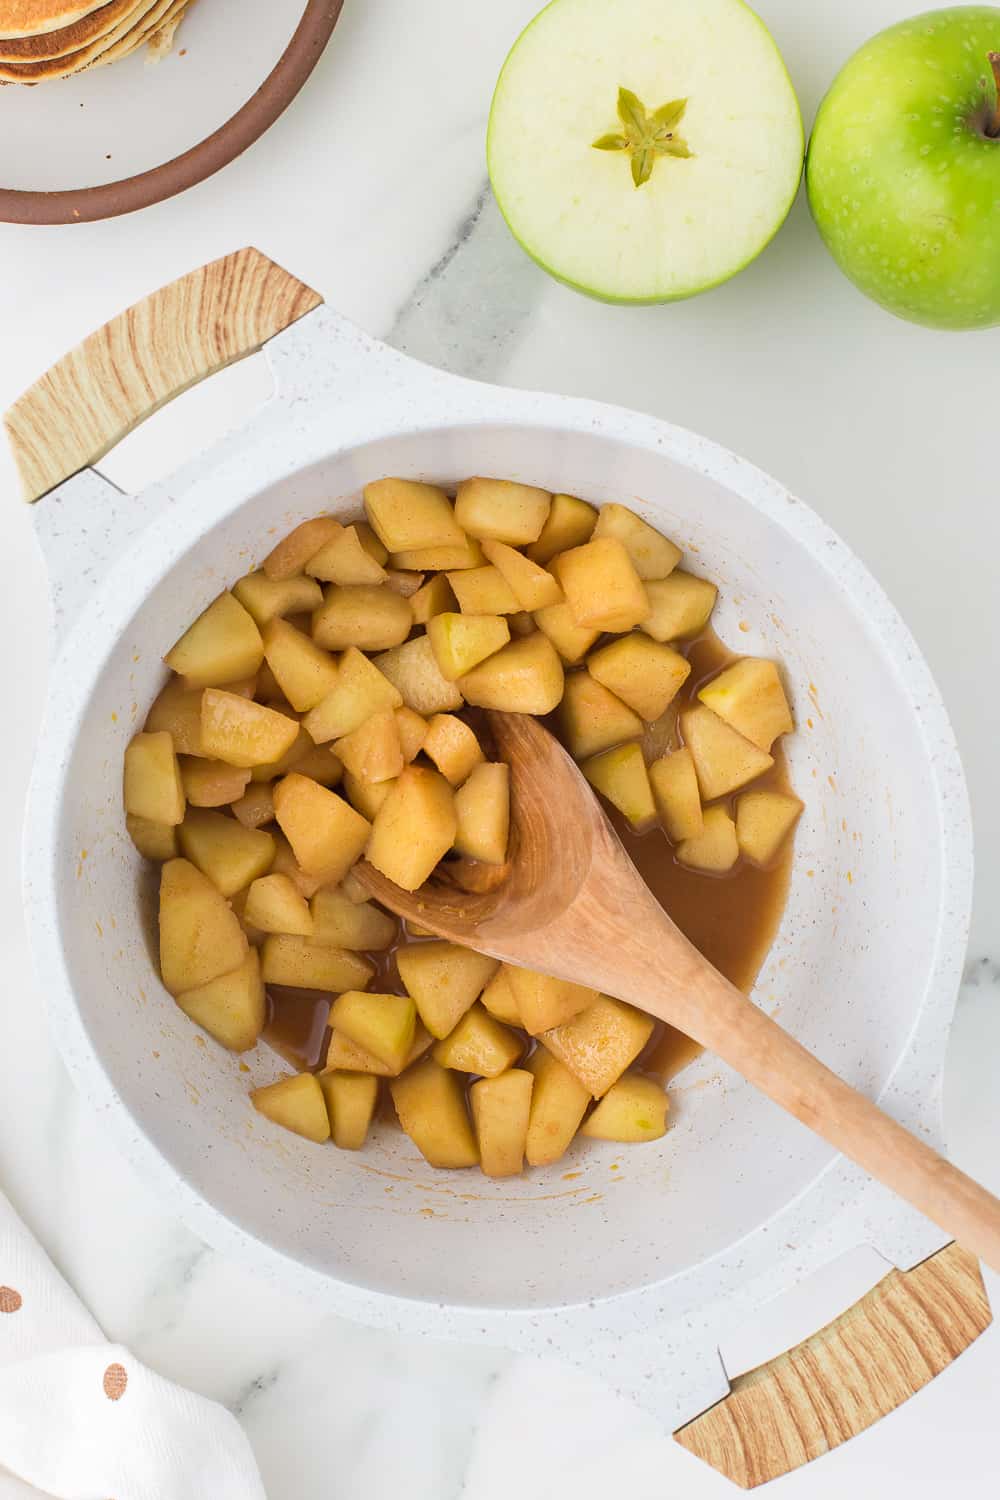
(903, 170)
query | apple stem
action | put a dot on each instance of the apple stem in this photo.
(993, 127)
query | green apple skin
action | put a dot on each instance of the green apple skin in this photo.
(903, 176)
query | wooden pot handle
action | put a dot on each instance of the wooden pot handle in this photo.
(841, 1380)
(95, 395)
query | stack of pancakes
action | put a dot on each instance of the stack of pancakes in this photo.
(41, 39)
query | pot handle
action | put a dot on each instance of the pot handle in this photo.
(95, 395)
(858, 1368)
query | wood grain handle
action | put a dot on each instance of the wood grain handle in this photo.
(95, 395)
(843, 1379)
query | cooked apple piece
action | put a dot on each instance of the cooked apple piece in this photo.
(326, 834)
(344, 560)
(681, 606)
(231, 1008)
(716, 849)
(305, 964)
(269, 770)
(525, 677)
(430, 1103)
(371, 617)
(461, 642)
(350, 1103)
(153, 840)
(750, 698)
(241, 732)
(360, 690)
(414, 828)
(212, 783)
(407, 514)
(478, 1044)
(521, 624)
(366, 797)
(592, 719)
(294, 551)
(403, 582)
(444, 980)
(344, 1054)
(543, 1002)
(502, 511)
(200, 938)
(297, 1103)
(500, 1110)
(621, 776)
(413, 669)
(558, 1103)
(383, 1024)
(453, 748)
(433, 598)
(153, 786)
(571, 640)
(652, 554)
(304, 672)
(644, 674)
(723, 760)
(600, 1043)
(275, 904)
(569, 523)
(483, 591)
(482, 808)
(222, 644)
(531, 585)
(256, 807)
(353, 889)
(238, 902)
(285, 863)
(601, 585)
(371, 543)
(499, 997)
(412, 730)
(633, 1109)
(763, 822)
(267, 599)
(675, 792)
(177, 711)
(467, 554)
(372, 752)
(229, 854)
(351, 924)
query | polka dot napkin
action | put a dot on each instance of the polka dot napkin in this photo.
(81, 1418)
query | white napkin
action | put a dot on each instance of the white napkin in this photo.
(83, 1419)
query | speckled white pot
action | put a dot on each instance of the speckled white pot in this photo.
(633, 1271)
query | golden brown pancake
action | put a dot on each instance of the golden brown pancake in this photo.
(68, 38)
(161, 42)
(33, 17)
(163, 13)
(62, 67)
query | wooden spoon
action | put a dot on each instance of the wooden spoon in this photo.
(573, 905)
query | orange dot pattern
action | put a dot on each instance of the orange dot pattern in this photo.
(10, 1301)
(115, 1381)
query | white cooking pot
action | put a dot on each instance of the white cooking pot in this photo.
(634, 1272)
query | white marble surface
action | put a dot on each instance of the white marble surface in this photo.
(372, 188)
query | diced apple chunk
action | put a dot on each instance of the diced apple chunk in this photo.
(466, 554)
(715, 850)
(500, 1109)
(681, 606)
(483, 591)
(644, 674)
(531, 585)
(461, 642)
(571, 640)
(569, 523)
(763, 822)
(521, 623)
(501, 510)
(602, 587)
(294, 551)
(221, 645)
(177, 712)
(300, 747)
(200, 938)
(351, 924)
(303, 963)
(304, 672)
(652, 554)
(372, 752)
(350, 1103)
(229, 854)
(499, 997)
(444, 980)
(592, 719)
(479, 1044)
(482, 808)
(326, 834)
(241, 732)
(275, 904)
(360, 690)
(297, 1103)
(434, 598)
(412, 729)
(750, 698)
(621, 776)
(344, 560)
(256, 807)
(633, 1109)
(366, 797)
(407, 514)
(543, 1002)
(430, 1103)
(453, 748)
(232, 1007)
(414, 828)
(383, 1024)
(558, 1103)
(371, 617)
(403, 582)
(412, 668)
(267, 599)
(723, 760)
(371, 543)
(212, 783)
(153, 840)
(525, 677)
(344, 1054)
(600, 1043)
(675, 792)
(285, 863)
(153, 786)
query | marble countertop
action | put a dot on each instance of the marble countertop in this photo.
(884, 428)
